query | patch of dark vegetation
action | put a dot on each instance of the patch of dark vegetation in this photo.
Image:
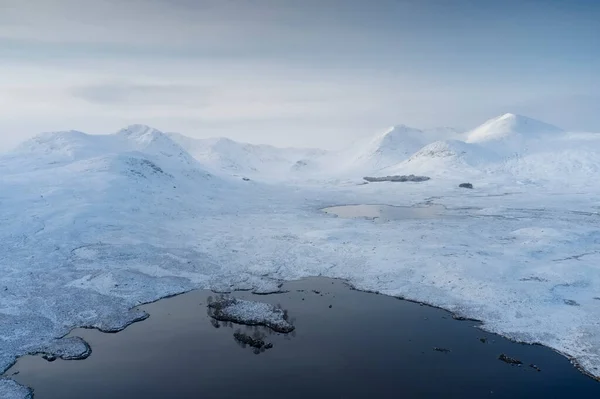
(465, 185)
(49, 357)
(536, 368)
(139, 166)
(461, 318)
(534, 278)
(397, 178)
(570, 302)
(155, 168)
(256, 341)
(443, 350)
(510, 360)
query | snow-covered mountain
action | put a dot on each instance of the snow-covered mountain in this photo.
(510, 127)
(229, 156)
(445, 157)
(394, 145)
(92, 226)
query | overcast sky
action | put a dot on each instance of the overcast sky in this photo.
(294, 72)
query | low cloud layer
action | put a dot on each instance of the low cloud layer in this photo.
(311, 73)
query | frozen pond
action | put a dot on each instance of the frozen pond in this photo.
(387, 212)
(346, 343)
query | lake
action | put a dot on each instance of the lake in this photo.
(346, 344)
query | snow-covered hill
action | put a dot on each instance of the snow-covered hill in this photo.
(232, 157)
(511, 129)
(392, 146)
(445, 158)
(383, 150)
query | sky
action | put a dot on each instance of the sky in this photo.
(313, 73)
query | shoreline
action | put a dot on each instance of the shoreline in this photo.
(349, 286)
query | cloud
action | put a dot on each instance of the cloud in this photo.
(115, 94)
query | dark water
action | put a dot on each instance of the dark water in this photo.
(387, 212)
(364, 345)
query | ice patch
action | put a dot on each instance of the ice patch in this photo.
(10, 389)
(69, 348)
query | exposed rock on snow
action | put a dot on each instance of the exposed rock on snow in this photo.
(397, 178)
(465, 185)
(250, 313)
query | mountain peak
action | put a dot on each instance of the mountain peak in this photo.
(138, 130)
(511, 125)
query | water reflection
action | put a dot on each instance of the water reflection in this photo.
(349, 344)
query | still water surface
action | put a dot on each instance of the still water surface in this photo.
(347, 344)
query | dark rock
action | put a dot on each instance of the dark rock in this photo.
(330, 306)
(465, 185)
(443, 350)
(245, 179)
(49, 357)
(483, 340)
(509, 360)
(533, 366)
(397, 178)
(570, 302)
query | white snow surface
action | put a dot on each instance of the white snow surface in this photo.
(251, 313)
(511, 132)
(92, 226)
(10, 389)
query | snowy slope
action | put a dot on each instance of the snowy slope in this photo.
(371, 155)
(511, 129)
(445, 158)
(229, 156)
(392, 146)
(63, 193)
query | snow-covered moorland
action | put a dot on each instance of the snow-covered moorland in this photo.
(92, 226)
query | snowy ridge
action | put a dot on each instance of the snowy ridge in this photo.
(392, 146)
(509, 127)
(445, 157)
(226, 155)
